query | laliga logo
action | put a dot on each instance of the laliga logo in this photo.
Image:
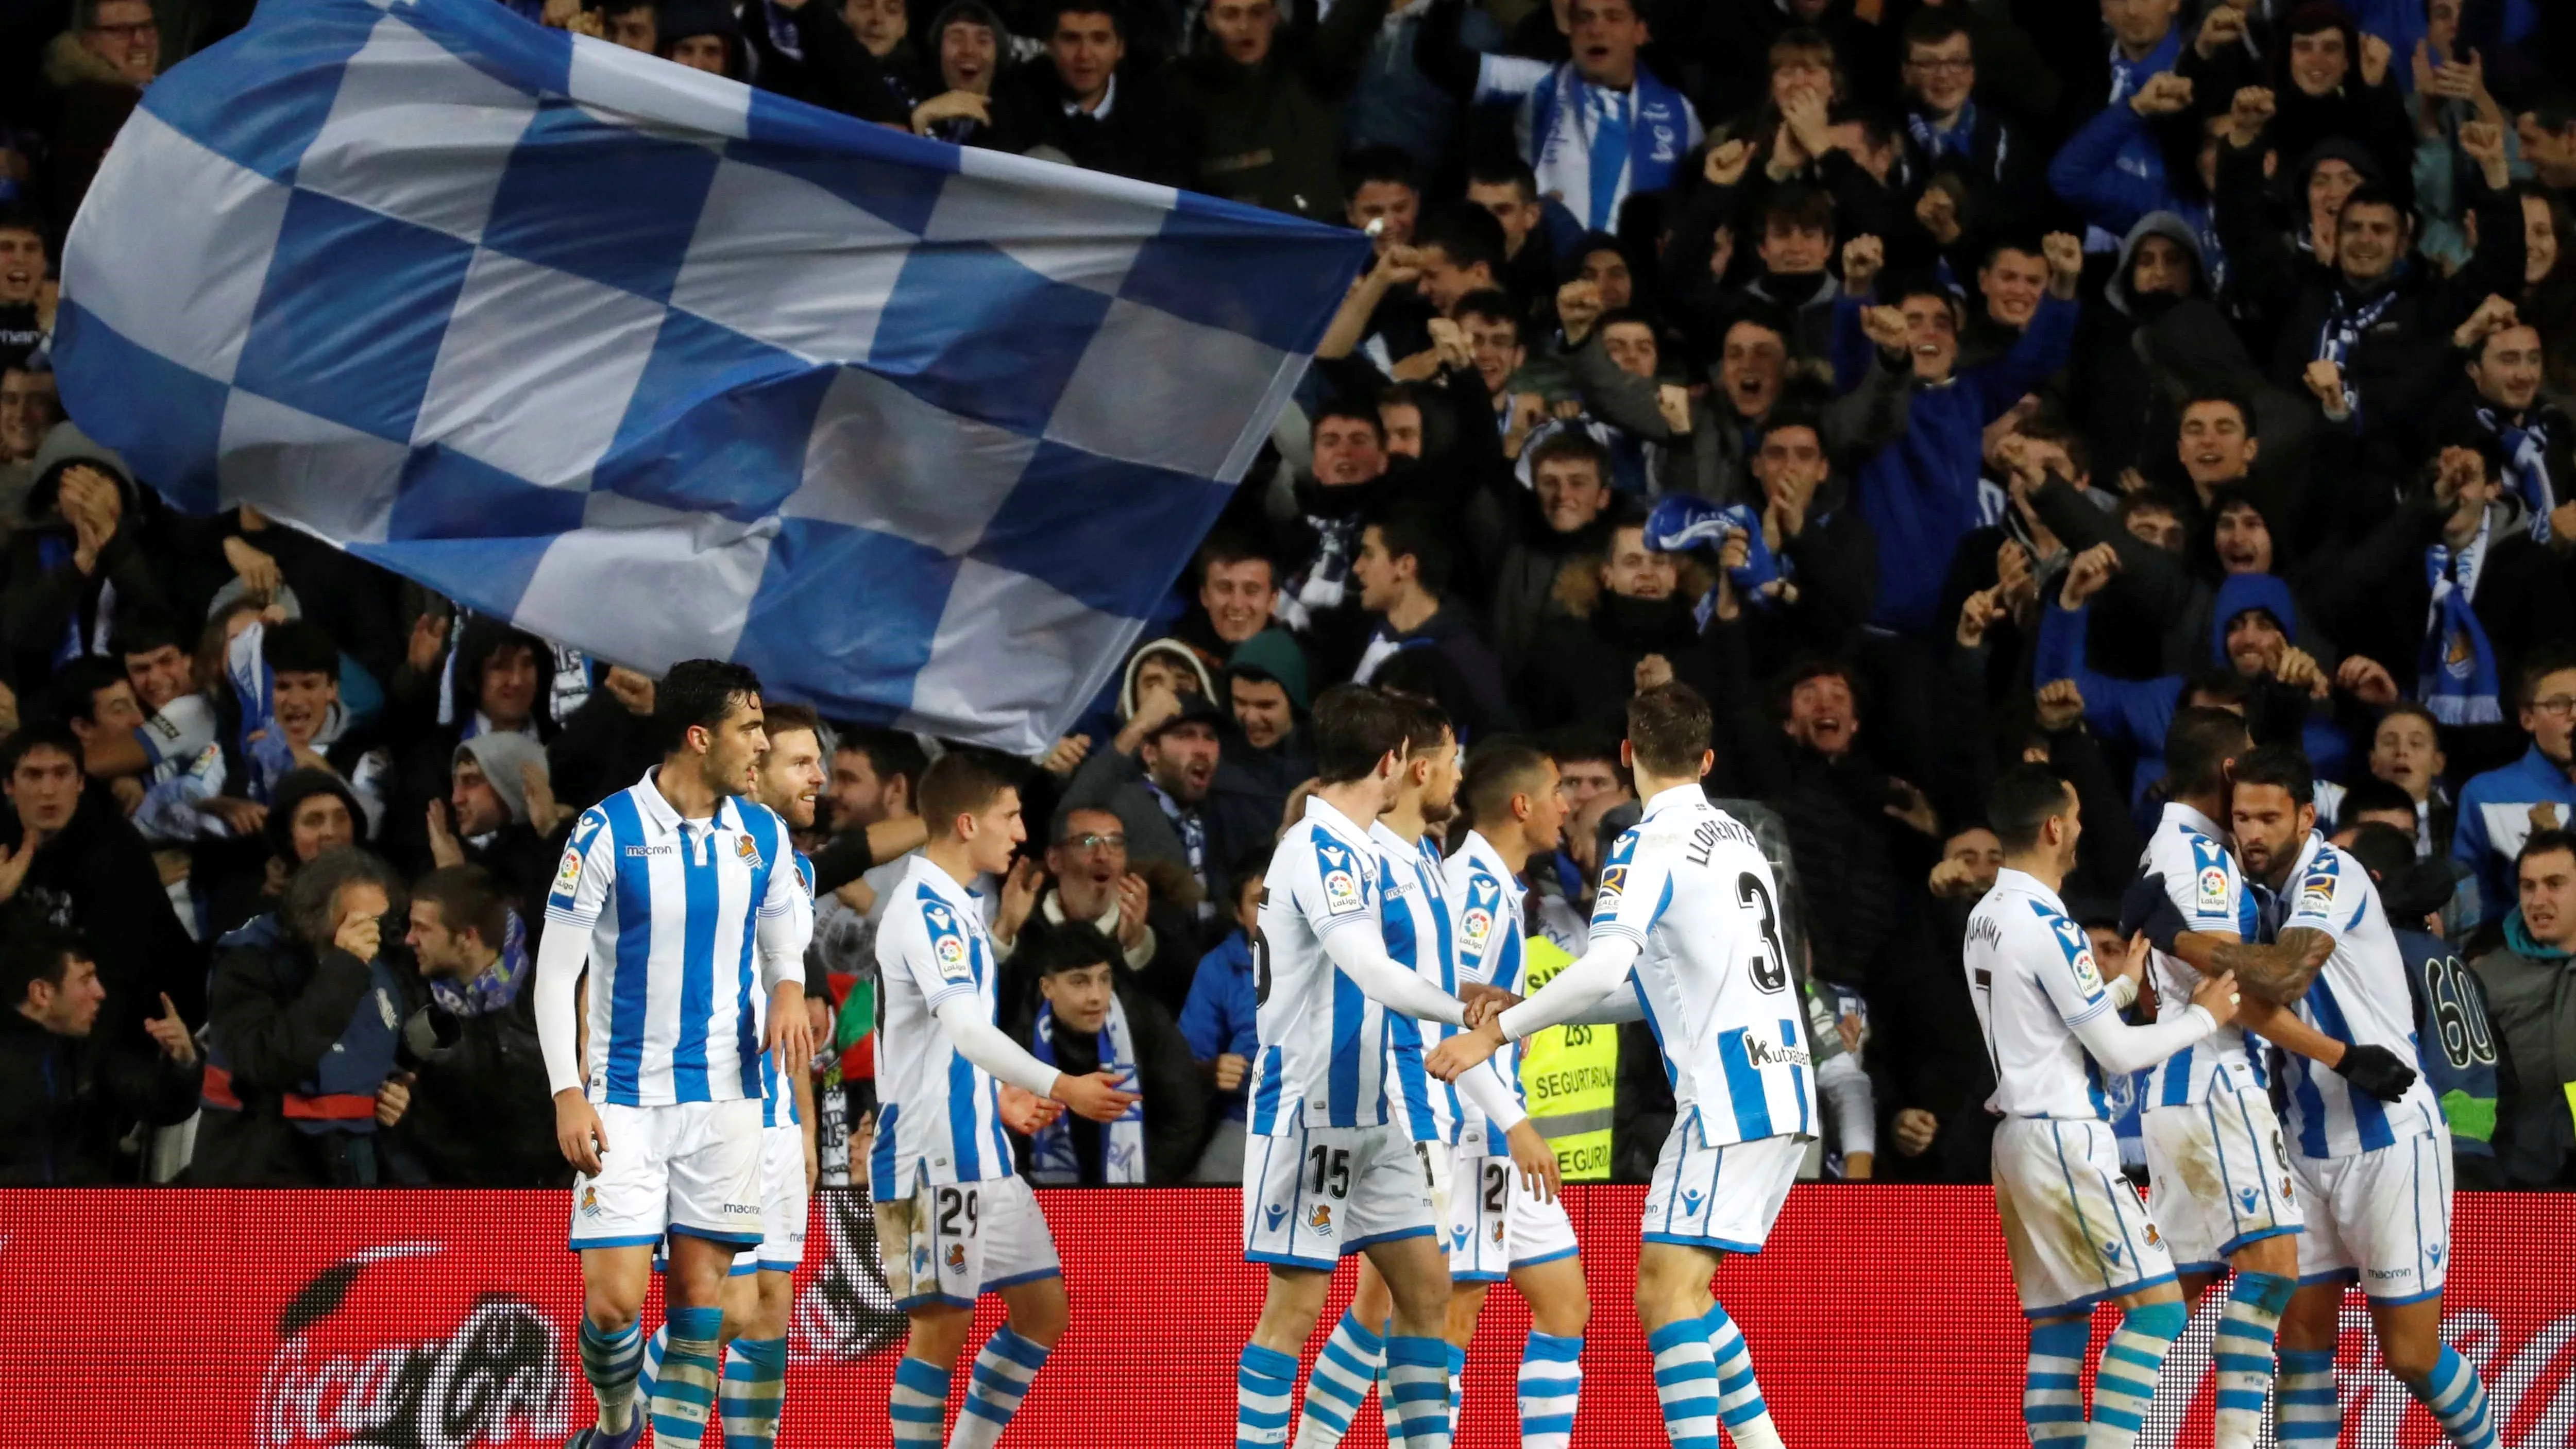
(357, 1366)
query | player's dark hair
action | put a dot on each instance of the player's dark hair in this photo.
(140, 631)
(960, 782)
(780, 719)
(2383, 849)
(1420, 534)
(700, 694)
(1466, 235)
(2023, 799)
(299, 646)
(891, 754)
(468, 897)
(1426, 724)
(1354, 727)
(34, 735)
(1497, 770)
(2282, 767)
(1072, 946)
(1668, 729)
(2198, 744)
(313, 889)
(2371, 795)
(34, 950)
(2540, 842)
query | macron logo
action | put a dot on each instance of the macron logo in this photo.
(1277, 1215)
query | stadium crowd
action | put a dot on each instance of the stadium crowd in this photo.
(1937, 386)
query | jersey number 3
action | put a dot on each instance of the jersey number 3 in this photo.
(1770, 963)
(1260, 953)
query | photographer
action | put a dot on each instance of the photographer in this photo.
(304, 1026)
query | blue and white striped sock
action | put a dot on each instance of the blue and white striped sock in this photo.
(1002, 1374)
(1265, 1383)
(1551, 1383)
(2458, 1397)
(684, 1392)
(1686, 1383)
(2052, 1391)
(919, 1402)
(754, 1388)
(649, 1367)
(1739, 1396)
(2125, 1384)
(1457, 1385)
(610, 1361)
(1344, 1373)
(2246, 1329)
(2307, 1412)
(1417, 1389)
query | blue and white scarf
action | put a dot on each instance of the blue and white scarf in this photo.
(2526, 466)
(1593, 147)
(1959, 140)
(53, 551)
(1192, 829)
(1052, 1161)
(264, 750)
(1683, 522)
(496, 986)
(2456, 678)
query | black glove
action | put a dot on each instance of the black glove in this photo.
(2146, 907)
(2376, 1070)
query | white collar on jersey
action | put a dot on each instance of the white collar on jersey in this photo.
(1479, 851)
(1679, 797)
(2029, 885)
(1384, 835)
(2176, 811)
(1317, 805)
(929, 872)
(661, 816)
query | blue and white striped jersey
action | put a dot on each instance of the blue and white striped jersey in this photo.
(1490, 953)
(777, 1095)
(2204, 883)
(939, 1116)
(2032, 976)
(1689, 883)
(2359, 997)
(1416, 920)
(1323, 1059)
(685, 919)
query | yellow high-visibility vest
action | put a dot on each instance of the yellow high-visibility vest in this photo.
(1570, 1077)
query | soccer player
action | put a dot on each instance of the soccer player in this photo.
(680, 898)
(954, 1219)
(1687, 906)
(1420, 928)
(2076, 1232)
(760, 1293)
(1332, 1168)
(2376, 1175)
(2222, 1192)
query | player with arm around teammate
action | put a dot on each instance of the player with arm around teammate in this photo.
(1425, 931)
(2222, 1190)
(954, 1218)
(1685, 927)
(1331, 1167)
(2075, 1231)
(670, 892)
(2375, 1175)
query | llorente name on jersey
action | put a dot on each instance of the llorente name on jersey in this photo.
(1724, 827)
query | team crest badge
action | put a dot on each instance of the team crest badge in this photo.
(1498, 1233)
(750, 852)
(956, 1257)
(590, 1202)
(2152, 1239)
(1321, 1219)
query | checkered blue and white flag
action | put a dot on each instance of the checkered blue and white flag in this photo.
(665, 367)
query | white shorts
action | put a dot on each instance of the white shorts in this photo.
(1496, 1224)
(1320, 1194)
(784, 1202)
(2218, 1178)
(2380, 1218)
(1721, 1197)
(2075, 1229)
(954, 1242)
(693, 1168)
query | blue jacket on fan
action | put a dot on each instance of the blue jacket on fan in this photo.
(1922, 488)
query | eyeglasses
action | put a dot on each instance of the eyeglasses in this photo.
(134, 31)
(2557, 705)
(1089, 841)
(1943, 66)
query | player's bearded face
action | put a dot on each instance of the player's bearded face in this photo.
(2268, 826)
(734, 751)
